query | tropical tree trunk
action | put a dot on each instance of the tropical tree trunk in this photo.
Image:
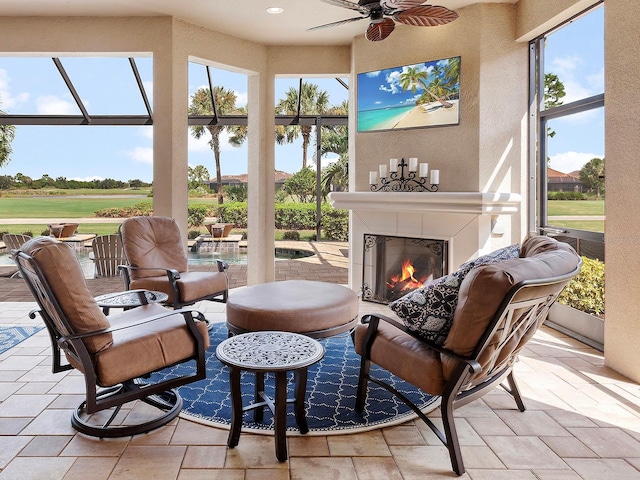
(444, 103)
(219, 176)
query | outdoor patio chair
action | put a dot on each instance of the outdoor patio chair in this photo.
(157, 260)
(115, 354)
(499, 308)
(107, 255)
(13, 241)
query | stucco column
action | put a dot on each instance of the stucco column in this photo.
(261, 163)
(622, 144)
(170, 92)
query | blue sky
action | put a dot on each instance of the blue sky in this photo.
(382, 88)
(576, 54)
(106, 85)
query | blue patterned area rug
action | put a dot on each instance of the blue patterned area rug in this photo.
(331, 391)
(12, 336)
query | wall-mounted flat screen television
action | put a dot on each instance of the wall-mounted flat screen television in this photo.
(410, 96)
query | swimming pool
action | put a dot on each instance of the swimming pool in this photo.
(203, 257)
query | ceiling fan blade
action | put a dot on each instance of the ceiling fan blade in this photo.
(426, 16)
(396, 5)
(347, 4)
(380, 30)
(335, 24)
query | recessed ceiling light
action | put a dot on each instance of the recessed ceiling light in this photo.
(275, 10)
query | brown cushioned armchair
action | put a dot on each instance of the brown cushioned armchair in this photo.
(113, 353)
(157, 260)
(500, 307)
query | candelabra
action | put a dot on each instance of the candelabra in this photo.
(396, 181)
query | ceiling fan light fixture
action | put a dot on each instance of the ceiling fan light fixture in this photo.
(275, 10)
(383, 14)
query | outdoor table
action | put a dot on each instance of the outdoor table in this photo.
(129, 299)
(269, 352)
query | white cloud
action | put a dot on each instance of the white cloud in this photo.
(87, 179)
(571, 161)
(7, 100)
(373, 74)
(242, 99)
(577, 84)
(565, 66)
(202, 144)
(53, 105)
(146, 132)
(199, 144)
(140, 155)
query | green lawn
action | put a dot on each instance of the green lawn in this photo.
(61, 207)
(36, 229)
(589, 225)
(576, 207)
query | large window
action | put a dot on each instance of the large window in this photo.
(567, 98)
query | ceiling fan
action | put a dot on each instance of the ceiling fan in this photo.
(384, 14)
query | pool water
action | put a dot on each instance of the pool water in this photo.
(195, 258)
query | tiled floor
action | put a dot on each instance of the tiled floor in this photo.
(583, 421)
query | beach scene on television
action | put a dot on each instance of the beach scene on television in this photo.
(411, 96)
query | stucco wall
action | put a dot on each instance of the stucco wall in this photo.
(622, 147)
(487, 150)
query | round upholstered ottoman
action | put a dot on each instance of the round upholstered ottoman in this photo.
(316, 309)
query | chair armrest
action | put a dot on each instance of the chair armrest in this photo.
(374, 319)
(172, 273)
(186, 313)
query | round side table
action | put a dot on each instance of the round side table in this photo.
(129, 299)
(264, 352)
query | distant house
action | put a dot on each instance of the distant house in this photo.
(242, 180)
(564, 182)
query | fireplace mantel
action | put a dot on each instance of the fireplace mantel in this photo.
(478, 203)
(472, 223)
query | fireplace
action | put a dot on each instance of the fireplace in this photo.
(394, 266)
(471, 223)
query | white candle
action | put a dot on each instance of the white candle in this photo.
(424, 170)
(393, 164)
(383, 171)
(413, 164)
(373, 178)
(435, 177)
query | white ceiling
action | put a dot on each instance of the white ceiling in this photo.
(241, 18)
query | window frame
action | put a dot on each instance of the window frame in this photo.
(538, 146)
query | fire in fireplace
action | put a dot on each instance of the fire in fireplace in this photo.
(395, 266)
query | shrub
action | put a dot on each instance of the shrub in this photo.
(196, 215)
(586, 291)
(143, 208)
(295, 216)
(233, 212)
(192, 234)
(566, 196)
(291, 235)
(335, 224)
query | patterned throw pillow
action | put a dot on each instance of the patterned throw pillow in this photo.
(429, 310)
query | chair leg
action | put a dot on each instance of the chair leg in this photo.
(452, 443)
(515, 392)
(361, 393)
(169, 402)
